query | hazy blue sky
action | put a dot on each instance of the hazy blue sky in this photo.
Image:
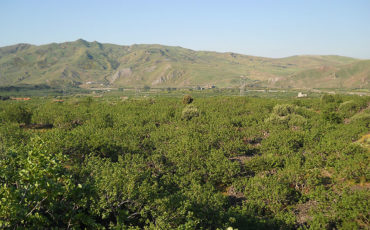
(269, 28)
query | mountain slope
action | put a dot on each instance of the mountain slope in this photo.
(353, 75)
(91, 64)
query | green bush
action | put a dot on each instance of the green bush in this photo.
(283, 109)
(285, 115)
(189, 112)
(327, 98)
(348, 108)
(363, 118)
(297, 120)
(18, 113)
(332, 116)
(187, 99)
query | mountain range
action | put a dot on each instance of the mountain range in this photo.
(92, 64)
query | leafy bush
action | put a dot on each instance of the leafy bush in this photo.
(328, 98)
(187, 99)
(189, 112)
(297, 120)
(362, 118)
(348, 106)
(285, 115)
(37, 190)
(18, 113)
(332, 116)
(283, 109)
(283, 142)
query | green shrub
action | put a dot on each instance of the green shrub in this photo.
(332, 117)
(187, 99)
(328, 98)
(189, 112)
(283, 109)
(283, 142)
(296, 120)
(18, 113)
(276, 119)
(348, 108)
(362, 118)
(285, 115)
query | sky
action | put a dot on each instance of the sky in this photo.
(269, 28)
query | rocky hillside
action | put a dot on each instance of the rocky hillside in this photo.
(93, 64)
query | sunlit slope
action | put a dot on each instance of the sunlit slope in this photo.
(353, 75)
(87, 64)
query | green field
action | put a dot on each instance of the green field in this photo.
(148, 160)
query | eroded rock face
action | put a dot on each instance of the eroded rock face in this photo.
(274, 79)
(170, 76)
(125, 72)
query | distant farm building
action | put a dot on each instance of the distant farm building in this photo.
(209, 86)
(300, 94)
(21, 98)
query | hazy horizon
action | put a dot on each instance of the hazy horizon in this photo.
(264, 28)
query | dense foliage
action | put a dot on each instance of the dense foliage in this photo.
(159, 163)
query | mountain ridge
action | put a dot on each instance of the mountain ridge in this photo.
(87, 64)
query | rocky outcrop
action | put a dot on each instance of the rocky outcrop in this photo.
(121, 73)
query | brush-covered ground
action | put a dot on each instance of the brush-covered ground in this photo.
(168, 163)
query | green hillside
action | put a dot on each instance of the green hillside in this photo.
(353, 75)
(93, 64)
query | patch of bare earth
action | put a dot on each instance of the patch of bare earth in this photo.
(302, 212)
(241, 159)
(235, 197)
(361, 186)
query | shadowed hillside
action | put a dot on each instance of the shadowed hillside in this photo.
(93, 64)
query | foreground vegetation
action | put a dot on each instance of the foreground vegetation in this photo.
(171, 163)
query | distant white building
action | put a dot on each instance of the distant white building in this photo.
(300, 94)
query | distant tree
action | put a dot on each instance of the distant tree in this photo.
(187, 99)
(327, 98)
(4, 98)
(146, 88)
(89, 100)
(108, 121)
